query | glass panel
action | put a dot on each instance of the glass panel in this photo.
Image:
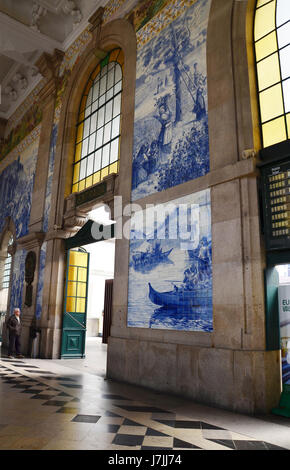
(104, 172)
(102, 100)
(81, 305)
(101, 117)
(95, 106)
(80, 132)
(114, 168)
(109, 94)
(76, 173)
(82, 260)
(72, 273)
(96, 177)
(286, 92)
(271, 103)
(106, 155)
(274, 132)
(88, 111)
(86, 128)
(118, 88)
(283, 11)
(108, 114)
(78, 152)
(70, 304)
(265, 20)
(118, 73)
(114, 150)
(82, 289)
(261, 2)
(85, 147)
(117, 105)
(268, 71)
(103, 85)
(110, 78)
(75, 188)
(71, 289)
(285, 61)
(284, 35)
(83, 167)
(92, 143)
(89, 181)
(81, 185)
(82, 274)
(115, 127)
(98, 160)
(107, 132)
(89, 100)
(93, 122)
(90, 165)
(266, 46)
(99, 141)
(104, 70)
(96, 90)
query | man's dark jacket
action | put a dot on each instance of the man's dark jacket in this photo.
(14, 326)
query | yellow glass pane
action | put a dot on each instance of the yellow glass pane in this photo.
(261, 2)
(76, 173)
(266, 46)
(89, 181)
(271, 103)
(72, 273)
(268, 71)
(81, 305)
(96, 177)
(82, 289)
(79, 258)
(82, 275)
(70, 304)
(114, 54)
(95, 72)
(81, 185)
(113, 168)
(104, 172)
(274, 132)
(88, 87)
(265, 20)
(288, 124)
(71, 289)
(80, 132)
(83, 103)
(78, 152)
(75, 188)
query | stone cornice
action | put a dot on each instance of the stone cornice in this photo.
(31, 241)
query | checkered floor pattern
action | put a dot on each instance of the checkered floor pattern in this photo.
(122, 430)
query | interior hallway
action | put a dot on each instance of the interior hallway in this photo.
(69, 405)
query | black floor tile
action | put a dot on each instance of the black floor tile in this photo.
(86, 419)
(154, 448)
(41, 397)
(129, 422)
(183, 445)
(30, 390)
(71, 385)
(250, 445)
(273, 446)
(210, 426)
(152, 432)
(110, 428)
(168, 422)
(142, 409)
(53, 403)
(224, 442)
(112, 415)
(187, 424)
(128, 440)
(114, 397)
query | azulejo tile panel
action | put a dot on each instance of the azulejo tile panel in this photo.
(171, 119)
(170, 271)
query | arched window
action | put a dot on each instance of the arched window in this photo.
(272, 50)
(98, 128)
(6, 273)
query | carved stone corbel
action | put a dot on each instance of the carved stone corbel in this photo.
(96, 22)
(49, 65)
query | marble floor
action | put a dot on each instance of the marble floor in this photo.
(70, 405)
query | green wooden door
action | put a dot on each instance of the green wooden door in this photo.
(75, 304)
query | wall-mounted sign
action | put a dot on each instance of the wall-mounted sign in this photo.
(276, 204)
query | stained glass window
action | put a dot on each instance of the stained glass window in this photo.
(99, 124)
(272, 49)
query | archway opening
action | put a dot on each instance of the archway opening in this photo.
(5, 276)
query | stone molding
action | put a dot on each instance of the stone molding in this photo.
(31, 241)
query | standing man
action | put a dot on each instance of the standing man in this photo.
(14, 328)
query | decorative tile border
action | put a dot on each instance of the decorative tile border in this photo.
(26, 142)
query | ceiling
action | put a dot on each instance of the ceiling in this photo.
(27, 29)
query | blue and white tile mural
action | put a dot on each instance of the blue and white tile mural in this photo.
(17, 281)
(49, 176)
(16, 186)
(171, 123)
(170, 271)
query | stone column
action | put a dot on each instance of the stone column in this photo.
(32, 244)
(48, 66)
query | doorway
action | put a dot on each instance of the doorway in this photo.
(90, 267)
(284, 319)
